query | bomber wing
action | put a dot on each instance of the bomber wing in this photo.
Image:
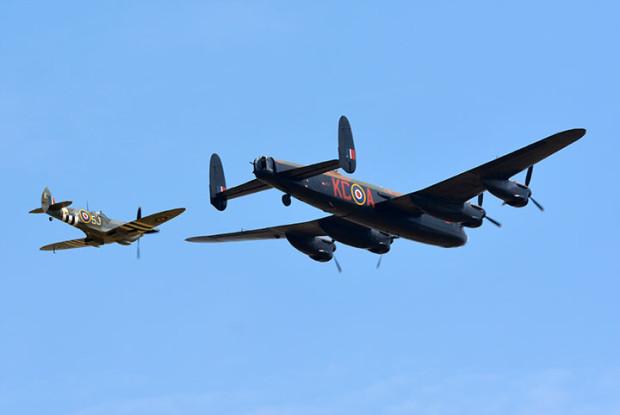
(145, 224)
(464, 186)
(276, 232)
(74, 243)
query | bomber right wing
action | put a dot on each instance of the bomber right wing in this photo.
(311, 228)
(464, 186)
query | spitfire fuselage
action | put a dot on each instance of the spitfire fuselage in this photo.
(94, 224)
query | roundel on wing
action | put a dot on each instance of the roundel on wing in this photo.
(85, 216)
(359, 196)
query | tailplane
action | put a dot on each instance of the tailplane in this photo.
(48, 202)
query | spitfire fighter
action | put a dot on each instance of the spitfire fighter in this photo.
(371, 217)
(100, 229)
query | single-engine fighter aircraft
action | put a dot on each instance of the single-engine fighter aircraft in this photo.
(371, 217)
(100, 229)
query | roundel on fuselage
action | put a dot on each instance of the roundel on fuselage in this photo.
(358, 193)
(85, 216)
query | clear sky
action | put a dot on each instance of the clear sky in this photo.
(120, 105)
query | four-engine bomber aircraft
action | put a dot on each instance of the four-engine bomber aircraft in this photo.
(100, 229)
(371, 217)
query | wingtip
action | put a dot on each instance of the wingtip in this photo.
(578, 132)
(200, 239)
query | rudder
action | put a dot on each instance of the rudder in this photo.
(217, 182)
(346, 147)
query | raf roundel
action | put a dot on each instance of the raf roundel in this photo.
(85, 216)
(359, 196)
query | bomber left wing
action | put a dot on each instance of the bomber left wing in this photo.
(462, 187)
(311, 228)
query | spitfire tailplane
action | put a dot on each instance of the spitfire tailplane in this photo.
(48, 203)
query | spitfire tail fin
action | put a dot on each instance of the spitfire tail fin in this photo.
(217, 182)
(47, 199)
(48, 202)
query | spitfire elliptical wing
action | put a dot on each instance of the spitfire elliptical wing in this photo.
(74, 243)
(146, 223)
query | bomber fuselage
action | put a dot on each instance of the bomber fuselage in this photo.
(360, 203)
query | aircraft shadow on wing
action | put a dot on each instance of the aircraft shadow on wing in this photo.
(370, 217)
(100, 229)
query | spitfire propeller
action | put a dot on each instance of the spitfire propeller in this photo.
(138, 217)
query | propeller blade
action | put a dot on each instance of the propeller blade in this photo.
(139, 212)
(538, 205)
(379, 262)
(528, 176)
(337, 265)
(480, 199)
(493, 221)
(138, 253)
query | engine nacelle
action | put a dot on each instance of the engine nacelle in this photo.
(357, 236)
(512, 193)
(317, 248)
(463, 213)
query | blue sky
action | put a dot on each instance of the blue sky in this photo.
(121, 105)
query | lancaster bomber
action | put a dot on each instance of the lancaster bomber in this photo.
(371, 217)
(99, 229)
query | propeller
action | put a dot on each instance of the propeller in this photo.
(493, 221)
(138, 216)
(337, 264)
(528, 178)
(379, 262)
